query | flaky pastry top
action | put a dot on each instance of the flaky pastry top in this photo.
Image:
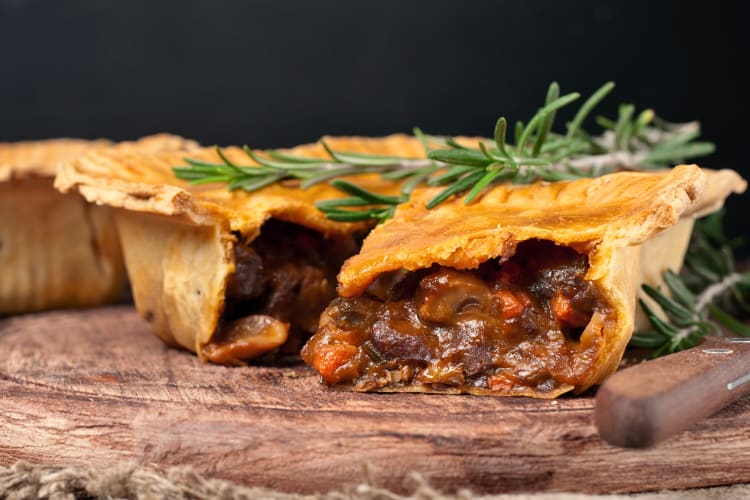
(41, 158)
(146, 183)
(592, 215)
(24, 159)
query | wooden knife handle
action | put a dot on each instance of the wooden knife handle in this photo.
(644, 404)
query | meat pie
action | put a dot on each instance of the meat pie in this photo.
(529, 291)
(229, 275)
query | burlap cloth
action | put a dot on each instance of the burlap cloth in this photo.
(27, 481)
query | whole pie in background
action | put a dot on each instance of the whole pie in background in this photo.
(57, 250)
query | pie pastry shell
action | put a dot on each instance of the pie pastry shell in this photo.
(56, 250)
(178, 238)
(631, 225)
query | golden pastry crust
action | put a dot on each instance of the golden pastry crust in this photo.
(25, 159)
(624, 209)
(146, 183)
(606, 218)
(666, 250)
(720, 184)
(57, 251)
(19, 160)
(621, 209)
(170, 228)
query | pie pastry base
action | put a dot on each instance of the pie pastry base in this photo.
(56, 250)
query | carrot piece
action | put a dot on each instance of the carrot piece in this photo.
(330, 357)
(512, 306)
(500, 383)
(561, 307)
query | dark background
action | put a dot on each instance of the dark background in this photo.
(275, 73)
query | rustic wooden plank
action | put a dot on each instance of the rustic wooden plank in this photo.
(96, 388)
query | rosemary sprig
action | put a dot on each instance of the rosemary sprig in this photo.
(631, 141)
(276, 166)
(705, 297)
(378, 207)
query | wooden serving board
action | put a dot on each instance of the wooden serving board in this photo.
(95, 388)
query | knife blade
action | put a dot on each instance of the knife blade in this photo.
(645, 404)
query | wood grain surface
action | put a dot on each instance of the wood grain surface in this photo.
(95, 388)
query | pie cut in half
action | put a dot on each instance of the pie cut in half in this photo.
(530, 290)
(229, 275)
(56, 251)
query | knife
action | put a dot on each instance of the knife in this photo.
(644, 404)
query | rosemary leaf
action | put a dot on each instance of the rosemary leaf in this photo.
(647, 340)
(679, 153)
(359, 158)
(366, 195)
(417, 178)
(644, 118)
(680, 314)
(334, 173)
(397, 175)
(255, 184)
(353, 216)
(558, 175)
(544, 128)
(493, 171)
(468, 157)
(211, 179)
(605, 123)
(556, 144)
(449, 141)
(517, 131)
(457, 187)
(587, 107)
(493, 156)
(661, 326)
(533, 161)
(196, 164)
(623, 126)
(189, 173)
(224, 158)
(278, 155)
(450, 174)
(334, 204)
(542, 115)
(500, 127)
(728, 321)
(679, 291)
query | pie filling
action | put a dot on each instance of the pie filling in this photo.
(283, 280)
(531, 322)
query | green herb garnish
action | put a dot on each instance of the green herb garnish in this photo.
(705, 297)
(631, 141)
